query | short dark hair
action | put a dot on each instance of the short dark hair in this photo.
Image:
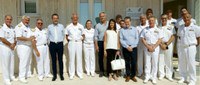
(118, 16)
(54, 15)
(149, 10)
(127, 17)
(168, 11)
(87, 22)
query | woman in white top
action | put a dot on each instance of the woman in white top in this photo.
(88, 46)
(111, 47)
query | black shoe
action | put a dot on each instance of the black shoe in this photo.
(101, 75)
(61, 78)
(54, 78)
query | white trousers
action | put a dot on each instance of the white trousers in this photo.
(75, 52)
(24, 53)
(7, 62)
(187, 64)
(43, 61)
(151, 64)
(89, 55)
(165, 62)
(140, 59)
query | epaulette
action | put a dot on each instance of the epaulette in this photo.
(33, 29)
(19, 25)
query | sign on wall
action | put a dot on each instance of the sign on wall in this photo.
(134, 12)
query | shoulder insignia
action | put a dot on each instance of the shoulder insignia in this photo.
(19, 25)
(33, 29)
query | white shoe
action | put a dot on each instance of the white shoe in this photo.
(161, 77)
(30, 76)
(71, 77)
(154, 81)
(88, 74)
(146, 80)
(81, 77)
(49, 76)
(181, 80)
(191, 83)
(40, 78)
(14, 79)
(170, 79)
(177, 70)
(92, 74)
(8, 83)
(23, 81)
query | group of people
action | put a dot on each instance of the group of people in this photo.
(146, 48)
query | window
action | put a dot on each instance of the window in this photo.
(29, 7)
(90, 9)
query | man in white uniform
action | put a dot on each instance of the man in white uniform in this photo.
(151, 37)
(140, 57)
(24, 50)
(188, 34)
(166, 52)
(75, 36)
(170, 19)
(7, 46)
(43, 61)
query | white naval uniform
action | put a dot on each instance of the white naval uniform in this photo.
(89, 52)
(75, 48)
(151, 35)
(24, 50)
(165, 56)
(172, 21)
(43, 61)
(7, 55)
(140, 57)
(187, 37)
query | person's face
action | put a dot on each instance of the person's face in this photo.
(102, 17)
(187, 19)
(164, 20)
(112, 24)
(74, 19)
(26, 21)
(118, 20)
(128, 22)
(8, 21)
(55, 19)
(143, 19)
(122, 24)
(169, 15)
(39, 24)
(89, 25)
(151, 22)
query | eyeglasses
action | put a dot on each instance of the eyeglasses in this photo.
(40, 23)
(164, 18)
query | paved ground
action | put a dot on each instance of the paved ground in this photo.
(92, 81)
(102, 81)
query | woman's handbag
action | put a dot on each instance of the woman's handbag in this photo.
(118, 64)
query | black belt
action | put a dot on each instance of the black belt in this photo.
(56, 42)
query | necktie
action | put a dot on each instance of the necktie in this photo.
(55, 33)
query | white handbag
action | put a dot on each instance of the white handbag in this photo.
(118, 64)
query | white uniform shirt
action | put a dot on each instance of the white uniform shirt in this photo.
(89, 36)
(41, 36)
(188, 35)
(167, 31)
(172, 21)
(151, 35)
(7, 33)
(23, 31)
(140, 28)
(74, 32)
(112, 39)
